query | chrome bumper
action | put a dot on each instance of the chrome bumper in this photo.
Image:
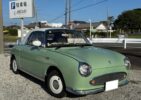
(85, 92)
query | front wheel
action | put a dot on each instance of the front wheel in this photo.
(14, 66)
(55, 84)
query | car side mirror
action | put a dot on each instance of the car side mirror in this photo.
(36, 43)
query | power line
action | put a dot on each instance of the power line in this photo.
(80, 1)
(61, 16)
(90, 5)
(81, 8)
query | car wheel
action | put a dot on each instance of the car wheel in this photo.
(14, 66)
(55, 84)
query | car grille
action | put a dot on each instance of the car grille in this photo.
(101, 80)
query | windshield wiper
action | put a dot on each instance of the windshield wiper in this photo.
(71, 45)
(83, 45)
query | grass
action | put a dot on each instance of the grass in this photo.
(134, 36)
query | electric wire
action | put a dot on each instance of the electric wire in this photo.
(88, 6)
(80, 1)
(81, 8)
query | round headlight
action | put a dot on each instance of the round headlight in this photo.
(127, 63)
(85, 69)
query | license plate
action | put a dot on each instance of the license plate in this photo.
(111, 85)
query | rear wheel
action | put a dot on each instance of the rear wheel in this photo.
(55, 84)
(14, 66)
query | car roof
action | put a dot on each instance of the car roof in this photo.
(44, 29)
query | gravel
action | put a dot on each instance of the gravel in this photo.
(24, 87)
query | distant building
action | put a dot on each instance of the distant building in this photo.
(55, 25)
(96, 26)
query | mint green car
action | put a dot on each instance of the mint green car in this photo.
(66, 61)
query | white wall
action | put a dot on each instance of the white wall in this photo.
(25, 31)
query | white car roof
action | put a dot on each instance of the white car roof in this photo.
(44, 29)
(37, 29)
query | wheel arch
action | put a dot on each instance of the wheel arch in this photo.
(11, 58)
(51, 68)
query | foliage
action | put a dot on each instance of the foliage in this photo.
(134, 36)
(8, 38)
(129, 20)
(13, 32)
(100, 34)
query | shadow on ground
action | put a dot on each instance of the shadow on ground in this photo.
(43, 86)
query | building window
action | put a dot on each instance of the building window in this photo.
(21, 4)
(25, 4)
(17, 4)
(13, 5)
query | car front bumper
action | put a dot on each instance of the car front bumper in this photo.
(93, 91)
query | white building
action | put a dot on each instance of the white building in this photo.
(55, 25)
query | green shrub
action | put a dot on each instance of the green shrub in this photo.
(13, 32)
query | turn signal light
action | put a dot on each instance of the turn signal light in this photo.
(92, 82)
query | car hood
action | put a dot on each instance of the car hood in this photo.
(96, 57)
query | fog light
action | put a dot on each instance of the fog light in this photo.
(92, 82)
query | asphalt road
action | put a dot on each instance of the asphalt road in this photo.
(25, 87)
(132, 49)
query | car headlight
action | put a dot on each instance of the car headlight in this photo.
(127, 63)
(85, 69)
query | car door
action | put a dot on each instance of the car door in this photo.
(33, 58)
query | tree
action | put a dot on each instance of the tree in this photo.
(129, 21)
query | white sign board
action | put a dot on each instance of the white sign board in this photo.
(21, 8)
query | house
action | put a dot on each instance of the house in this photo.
(95, 26)
(100, 26)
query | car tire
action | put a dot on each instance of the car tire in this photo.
(55, 84)
(14, 66)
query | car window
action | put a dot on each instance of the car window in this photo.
(37, 35)
(56, 37)
(63, 37)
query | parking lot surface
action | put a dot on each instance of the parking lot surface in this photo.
(24, 87)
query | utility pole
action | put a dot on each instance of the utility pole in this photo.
(69, 11)
(66, 13)
(22, 28)
(90, 29)
(36, 14)
(1, 29)
(70, 26)
(107, 22)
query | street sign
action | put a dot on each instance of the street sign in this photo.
(21, 8)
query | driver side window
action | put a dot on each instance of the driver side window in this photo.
(37, 35)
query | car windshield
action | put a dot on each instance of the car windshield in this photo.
(65, 38)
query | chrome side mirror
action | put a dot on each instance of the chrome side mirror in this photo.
(36, 43)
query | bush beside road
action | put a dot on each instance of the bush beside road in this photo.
(8, 38)
(24, 87)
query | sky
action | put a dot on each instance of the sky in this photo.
(48, 10)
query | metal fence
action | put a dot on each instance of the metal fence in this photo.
(124, 41)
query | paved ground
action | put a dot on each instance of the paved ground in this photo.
(24, 87)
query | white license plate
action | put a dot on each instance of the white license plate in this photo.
(111, 85)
